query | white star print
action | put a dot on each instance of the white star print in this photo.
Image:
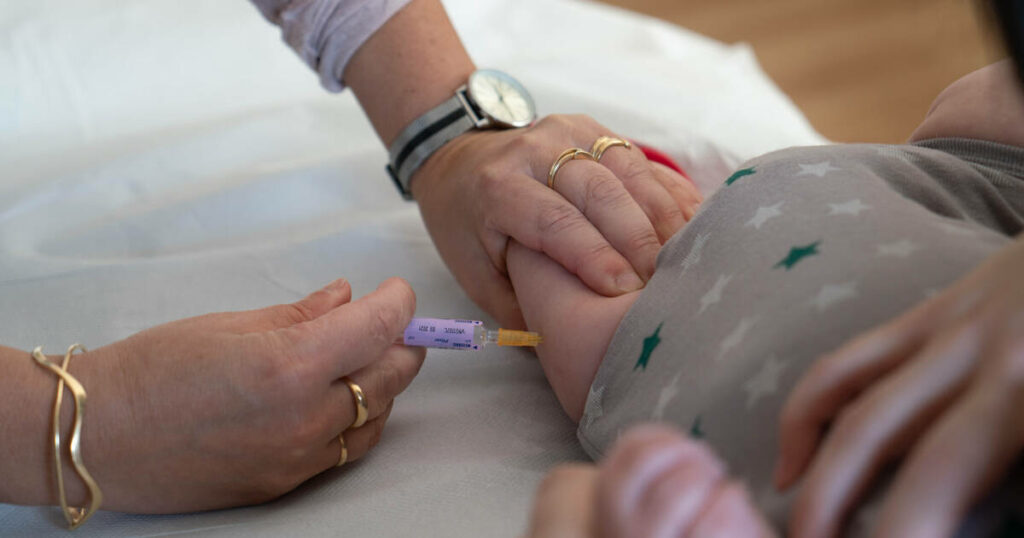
(737, 335)
(853, 207)
(714, 295)
(763, 214)
(670, 391)
(817, 169)
(765, 382)
(693, 258)
(831, 294)
(595, 409)
(900, 249)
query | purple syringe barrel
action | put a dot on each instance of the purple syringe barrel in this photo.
(444, 333)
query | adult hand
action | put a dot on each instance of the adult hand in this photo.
(654, 482)
(239, 408)
(941, 386)
(604, 222)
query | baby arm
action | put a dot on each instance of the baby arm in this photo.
(576, 322)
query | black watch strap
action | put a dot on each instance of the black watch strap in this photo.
(426, 134)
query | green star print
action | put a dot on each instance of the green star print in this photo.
(798, 253)
(695, 430)
(650, 343)
(738, 174)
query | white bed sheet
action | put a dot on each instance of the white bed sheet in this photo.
(168, 158)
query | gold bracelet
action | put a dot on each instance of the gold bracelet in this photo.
(74, 516)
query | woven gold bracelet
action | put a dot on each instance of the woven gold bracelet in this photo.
(74, 516)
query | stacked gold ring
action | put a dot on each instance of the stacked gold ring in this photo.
(566, 156)
(362, 413)
(344, 451)
(602, 144)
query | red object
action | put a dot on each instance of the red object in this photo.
(658, 156)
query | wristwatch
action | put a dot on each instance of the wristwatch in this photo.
(490, 99)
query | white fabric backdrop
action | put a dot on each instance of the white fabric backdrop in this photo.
(168, 158)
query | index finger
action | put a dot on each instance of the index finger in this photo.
(838, 377)
(966, 453)
(543, 220)
(357, 333)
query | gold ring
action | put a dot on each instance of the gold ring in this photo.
(566, 156)
(344, 450)
(362, 411)
(602, 144)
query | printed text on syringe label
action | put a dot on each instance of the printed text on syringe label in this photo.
(442, 333)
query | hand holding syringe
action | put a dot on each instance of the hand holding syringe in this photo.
(463, 334)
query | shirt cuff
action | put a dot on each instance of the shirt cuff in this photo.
(326, 33)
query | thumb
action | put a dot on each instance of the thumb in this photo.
(356, 333)
(315, 304)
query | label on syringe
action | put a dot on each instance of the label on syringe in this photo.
(441, 333)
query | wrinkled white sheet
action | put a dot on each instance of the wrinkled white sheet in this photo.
(168, 158)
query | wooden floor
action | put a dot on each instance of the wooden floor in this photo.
(861, 70)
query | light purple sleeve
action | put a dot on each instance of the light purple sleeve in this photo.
(326, 33)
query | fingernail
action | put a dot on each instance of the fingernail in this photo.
(628, 282)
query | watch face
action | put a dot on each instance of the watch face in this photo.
(502, 98)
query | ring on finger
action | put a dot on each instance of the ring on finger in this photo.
(344, 450)
(602, 144)
(566, 156)
(362, 410)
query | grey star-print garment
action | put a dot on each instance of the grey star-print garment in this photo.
(798, 251)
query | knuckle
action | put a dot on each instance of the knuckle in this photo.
(492, 180)
(578, 119)
(635, 170)
(601, 190)
(293, 313)
(389, 381)
(527, 143)
(407, 302)
(603, 256)
(643, 239)
(377, 433)
(383, 321)
(280, 376)
(667, 212)
(557, 218)
(305, 430)
(554, 120)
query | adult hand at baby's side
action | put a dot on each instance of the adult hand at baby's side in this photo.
(239, 408)
(654, 483)
(941, 386)
(604, 222)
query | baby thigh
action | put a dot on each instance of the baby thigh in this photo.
(763, 281)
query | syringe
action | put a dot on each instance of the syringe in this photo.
(463, 334)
